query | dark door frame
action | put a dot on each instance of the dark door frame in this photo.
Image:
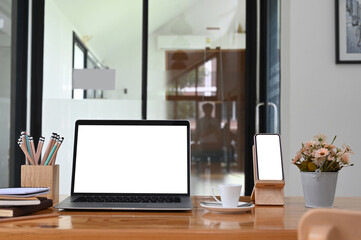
(250, 94)
(19, 65)
(266, 21)
(37, 63)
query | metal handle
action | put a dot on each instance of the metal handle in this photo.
(275, 125)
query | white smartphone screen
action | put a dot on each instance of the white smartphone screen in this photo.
(268, 157)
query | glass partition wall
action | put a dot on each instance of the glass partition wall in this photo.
(5, 61)
(82, 34)
(196, 71)
(193, 67)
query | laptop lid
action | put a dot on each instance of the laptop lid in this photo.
(131, 157)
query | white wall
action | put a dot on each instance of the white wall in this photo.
(317, 95)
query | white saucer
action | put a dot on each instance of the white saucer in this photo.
(221, 209)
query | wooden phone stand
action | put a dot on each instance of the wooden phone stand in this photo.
(267, 192)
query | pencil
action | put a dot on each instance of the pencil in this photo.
(23, 147)
(53, 158)
(51, 153)
(27, 143)
(56, 139)
(21, 141)
(39, 149)
(60, 140)
(32, 149)
(22, 136)
(29, 217)
(47, 151)
(27, 154)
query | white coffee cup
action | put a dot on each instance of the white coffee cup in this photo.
(229, 194)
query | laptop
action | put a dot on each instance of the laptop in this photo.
(130, 165)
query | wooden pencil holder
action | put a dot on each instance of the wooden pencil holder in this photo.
(42, 176)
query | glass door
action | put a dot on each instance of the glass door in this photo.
(196, 71)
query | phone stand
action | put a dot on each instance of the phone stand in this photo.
(267, 192)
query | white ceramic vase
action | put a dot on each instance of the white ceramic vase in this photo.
(319, 188)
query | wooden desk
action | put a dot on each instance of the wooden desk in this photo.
(260, 223)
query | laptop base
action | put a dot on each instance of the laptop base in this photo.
(68, 204)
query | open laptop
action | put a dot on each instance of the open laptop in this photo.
(130, 165)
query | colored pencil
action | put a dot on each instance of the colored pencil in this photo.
(27, 143)
(51, 153)
(25, 150)
(39, 149)
(21, 140)
(32, 149)
(47, 151)
(53, 158)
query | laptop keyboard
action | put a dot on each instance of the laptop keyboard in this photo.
(129, 199)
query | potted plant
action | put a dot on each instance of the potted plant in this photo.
(319, 163)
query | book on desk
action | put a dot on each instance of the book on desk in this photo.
(12, 201)
(15, 211)
(21, 201)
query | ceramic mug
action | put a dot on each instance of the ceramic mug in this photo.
(229, 194)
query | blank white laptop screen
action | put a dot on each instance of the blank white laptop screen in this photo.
(131, 159)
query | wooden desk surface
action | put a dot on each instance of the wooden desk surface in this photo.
(263, 222)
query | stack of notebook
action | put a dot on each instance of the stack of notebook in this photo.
(21, 201)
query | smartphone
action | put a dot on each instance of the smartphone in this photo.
(268, 156)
